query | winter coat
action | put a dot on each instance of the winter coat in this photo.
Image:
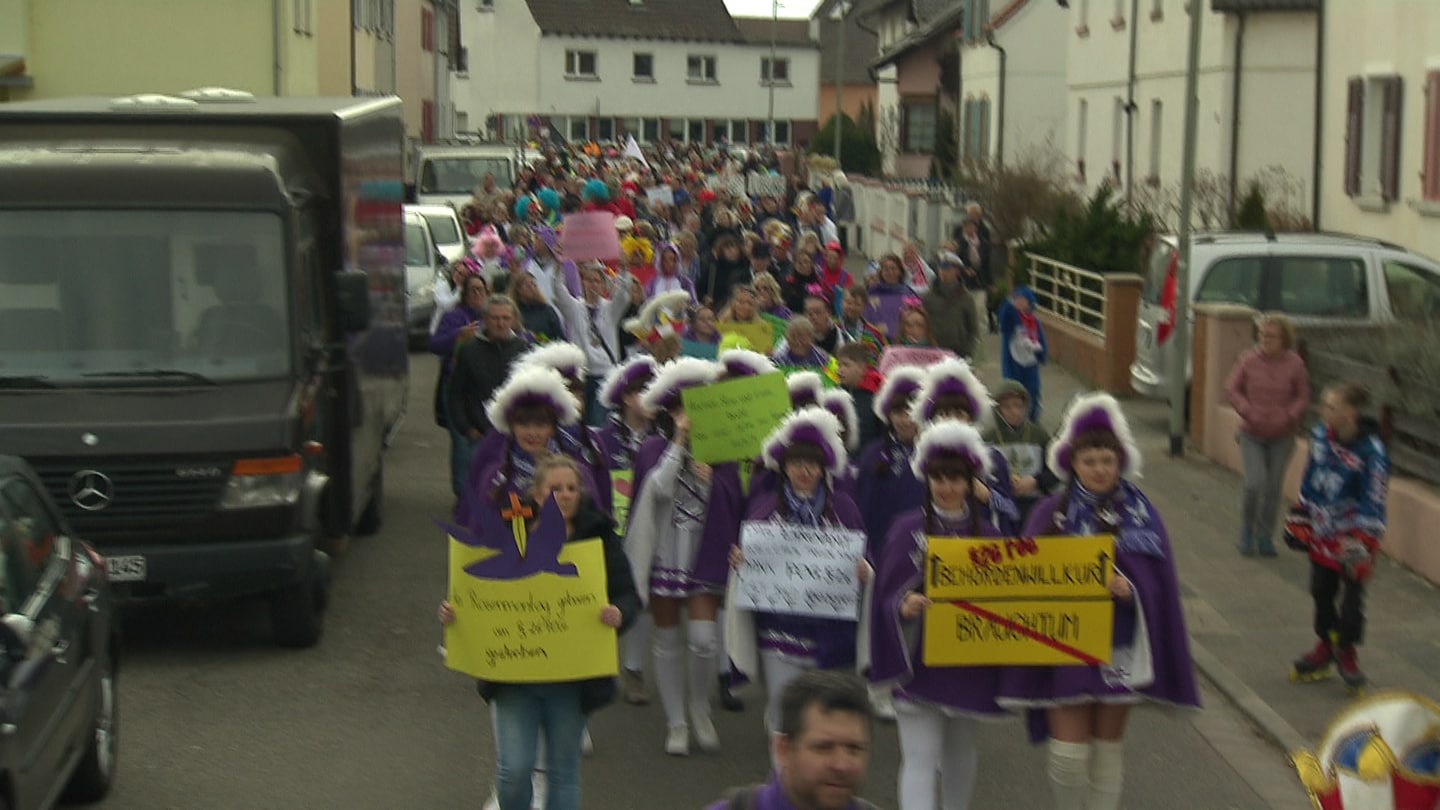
(1269, 392)
(481, 367)
(1343, 494)
(952, 318)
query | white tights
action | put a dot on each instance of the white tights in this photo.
(704, 644)
(778, 671)
(932, 741)
(1086, 776)
(635, 644)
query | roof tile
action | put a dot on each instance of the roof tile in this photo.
(688, 20)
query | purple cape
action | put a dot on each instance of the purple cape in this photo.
(616, 453)
(895, 648)
(1157, 592)
(765, 480)
(771, 796)
(883, 494)
(722, 515)
(834, 638)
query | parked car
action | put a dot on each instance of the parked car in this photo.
(1322, 281)
(444, 229)
(59, 652)
(423, 264)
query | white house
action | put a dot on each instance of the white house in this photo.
(914, 71)
(1380, 160)
(1257, 99)
(1012, 78)
(597, 70)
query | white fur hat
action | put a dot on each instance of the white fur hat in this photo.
(842, 406)
(951, 437)
(744, 363)
(639, 369)
(805, 388)
(532, 385)
(1093, 411)
(815, 425)
(566, 358)
(902, 383)
(948, 378)
(663, 393)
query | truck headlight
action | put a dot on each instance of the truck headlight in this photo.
(260, 482)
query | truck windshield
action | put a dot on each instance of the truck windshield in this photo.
(122, 297)
(460, 175)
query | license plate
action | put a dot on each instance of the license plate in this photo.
(125, 568)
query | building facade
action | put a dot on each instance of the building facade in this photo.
(846, 47)
(1380, 159)
(657, 69)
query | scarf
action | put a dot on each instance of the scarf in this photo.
(953, 524)
(630, 440)
(802, 510)
(522, 467)
(896, 455)
(1124, 511)
(1030, 324)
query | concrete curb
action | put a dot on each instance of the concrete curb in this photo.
(1243, 698)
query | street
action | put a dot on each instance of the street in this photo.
(213, 715)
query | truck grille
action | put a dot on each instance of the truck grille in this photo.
(140, 493)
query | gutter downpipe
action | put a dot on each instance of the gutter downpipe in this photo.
(1319, 114)
(1000, 112)
(1130, 107)
(1235, 115)
(354, 88)
(275, 44)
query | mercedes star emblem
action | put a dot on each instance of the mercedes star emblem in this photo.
(89, 439)
(91, 490)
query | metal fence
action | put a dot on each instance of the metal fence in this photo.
(1073, 294)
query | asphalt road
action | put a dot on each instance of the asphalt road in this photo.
(213, 716)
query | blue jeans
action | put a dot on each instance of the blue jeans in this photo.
(521, 711)
(462, 449)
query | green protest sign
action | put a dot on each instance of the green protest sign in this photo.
(729, 420)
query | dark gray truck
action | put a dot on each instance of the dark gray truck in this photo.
(203, 333)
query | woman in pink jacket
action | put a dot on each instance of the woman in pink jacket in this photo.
(1270, 389)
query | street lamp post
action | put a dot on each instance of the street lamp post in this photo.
(841, 9)
(1180, 336)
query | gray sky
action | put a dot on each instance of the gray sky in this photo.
(763, 8)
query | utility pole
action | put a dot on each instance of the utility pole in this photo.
(1180, 337)
(774, 24)
(842, 8)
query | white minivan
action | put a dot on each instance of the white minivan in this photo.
(423, 265)
(1318, 279)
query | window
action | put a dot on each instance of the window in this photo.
(1232, 281)
(780, 71)
(975, 144)
(739, 132)
(918, 119)
(1322, 286)
(1372, 137)
(700, 68)
(427, 30)
(644, 67)
(976, 18)
(1082, 117)
(1430, 171)
(605, 129)
(1157, 117)
(303, 16)
(487, 5)
(782, 132)
(1414, 293)
(427, 120)
(650, 129)
(1118, 18)
(579, 129)
(579, 64)
(695, 130)
(1082, 17)
(1157, 10)
(1117, 136)
(462, 62)
(675, 128)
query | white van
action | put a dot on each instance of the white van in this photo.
(1318, 279)
(447, 174)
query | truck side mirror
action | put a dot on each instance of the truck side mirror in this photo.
(352, 300)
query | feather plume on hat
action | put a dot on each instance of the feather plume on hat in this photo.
(638, 370)
(815, 425)
(900, 386)
(955, 438)
(1094, 411)
(532, 385)
(949, 378)
(744, 363)
(842, 406)
(664, 391)
(564, 357)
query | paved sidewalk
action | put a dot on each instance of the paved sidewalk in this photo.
(1250, 617)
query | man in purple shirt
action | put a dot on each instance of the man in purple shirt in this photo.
(821, 751)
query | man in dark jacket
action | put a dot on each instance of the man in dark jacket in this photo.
(952, 310)
(481, 365)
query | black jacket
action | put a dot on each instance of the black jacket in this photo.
(620, 588)
(716, 280)
(481, 366)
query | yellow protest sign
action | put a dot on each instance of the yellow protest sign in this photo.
(539, 628)
(1042, 601)
(729, 420)
(758, 333)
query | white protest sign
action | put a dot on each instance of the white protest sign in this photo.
(733, 183)
(799, 570)
(766, 185)
(660, 195)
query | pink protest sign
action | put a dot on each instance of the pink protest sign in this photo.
(590, 235)
(921, 356)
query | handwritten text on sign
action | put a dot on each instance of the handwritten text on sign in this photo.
(729, 420)
(1022, 601)
(544, 627)
(800, 570)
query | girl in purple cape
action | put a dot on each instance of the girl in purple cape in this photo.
(937, 709)
(886, 484)
(952, 391)
(806, 452)
(684, 519)
(1084, 709)
(626, 430)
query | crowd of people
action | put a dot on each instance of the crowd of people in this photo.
(556, 376)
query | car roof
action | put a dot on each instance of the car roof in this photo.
(1307, 239)
(429, 210)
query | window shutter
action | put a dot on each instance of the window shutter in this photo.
(1432, 136)
(1390, 139)
(1354, 114)
(984, 130)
